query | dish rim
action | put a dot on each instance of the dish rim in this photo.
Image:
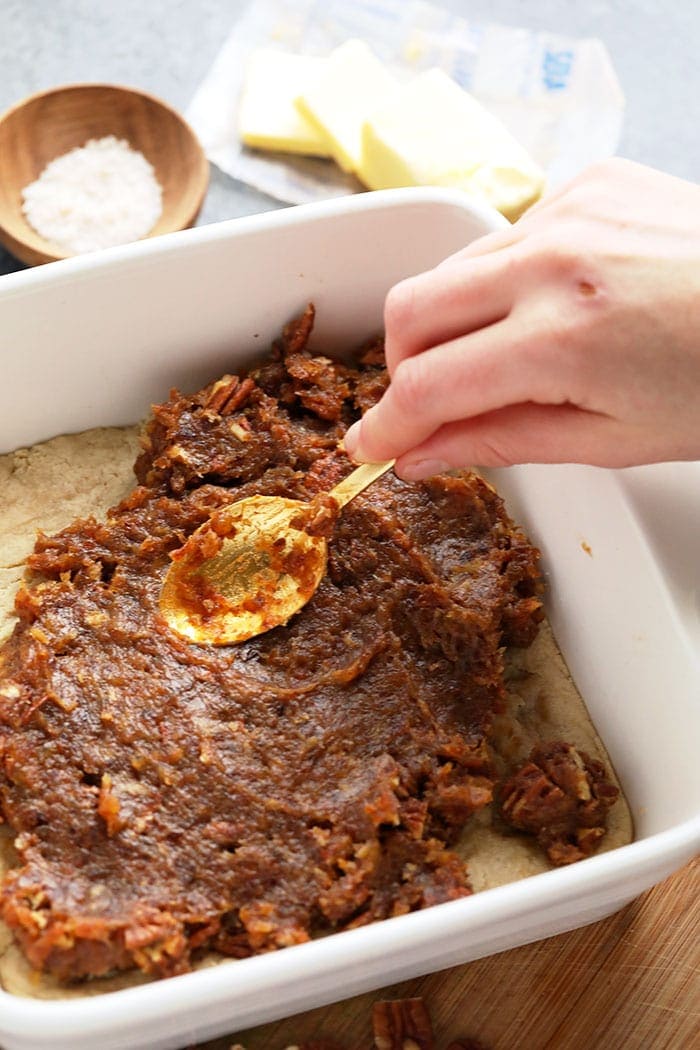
(662, 851)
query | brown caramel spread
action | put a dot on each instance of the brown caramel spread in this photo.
(168, 797)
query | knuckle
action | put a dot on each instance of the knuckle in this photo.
(408, 386)
(603, 170)
(558, 257)
(491, 450)
(372, 444)
(399, 306)
(572, 271)
(598, 176)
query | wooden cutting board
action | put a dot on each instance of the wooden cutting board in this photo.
(630, 982)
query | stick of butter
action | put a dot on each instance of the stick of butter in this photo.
(432, 133)
(349, 86)
(267, 116)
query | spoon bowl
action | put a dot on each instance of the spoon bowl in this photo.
(255, 563)
(247, 569)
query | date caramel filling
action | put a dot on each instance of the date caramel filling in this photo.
(167, 797)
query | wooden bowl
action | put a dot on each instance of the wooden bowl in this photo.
(48, 124)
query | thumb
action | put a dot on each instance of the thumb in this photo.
(529, 433)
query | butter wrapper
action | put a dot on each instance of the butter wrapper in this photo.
(559, 96)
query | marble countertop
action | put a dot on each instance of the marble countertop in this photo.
(166, 47)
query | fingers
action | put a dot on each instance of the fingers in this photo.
(471, 289)
(559, 339)
(466, 377)
(529, 433)
(456, 298)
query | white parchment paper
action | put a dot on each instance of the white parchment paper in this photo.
(558, 95)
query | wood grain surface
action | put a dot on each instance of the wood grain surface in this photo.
(630, 982)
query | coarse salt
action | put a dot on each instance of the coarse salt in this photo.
(98, 195)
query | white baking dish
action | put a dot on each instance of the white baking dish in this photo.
(91, 341)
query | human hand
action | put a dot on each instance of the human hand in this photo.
(573, 336)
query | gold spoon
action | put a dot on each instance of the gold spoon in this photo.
(255, 563)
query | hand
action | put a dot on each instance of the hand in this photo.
(573, 336)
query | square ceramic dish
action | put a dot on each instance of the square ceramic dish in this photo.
(93, 340)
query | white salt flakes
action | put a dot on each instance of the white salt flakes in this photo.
(98, 195)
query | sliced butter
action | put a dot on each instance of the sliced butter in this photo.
(349, 86)
(432, 133)
(267, 116)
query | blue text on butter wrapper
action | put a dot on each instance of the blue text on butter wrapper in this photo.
(556, 69)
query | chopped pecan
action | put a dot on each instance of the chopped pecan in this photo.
(220, 391)
(562, 797)
(297, 332)
(318, 517)
(402, 1024)
(374, 379)
(229, 394)
(372, 354)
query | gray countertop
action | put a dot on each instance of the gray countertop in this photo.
(166, 47)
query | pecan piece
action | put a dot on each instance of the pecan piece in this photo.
(562, 797)
(229, 394)
(402, 1024)
(297, 332)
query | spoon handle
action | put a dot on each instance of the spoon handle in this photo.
(358, 481)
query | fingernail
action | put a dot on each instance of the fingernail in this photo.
(423, 468)
(351, 440)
